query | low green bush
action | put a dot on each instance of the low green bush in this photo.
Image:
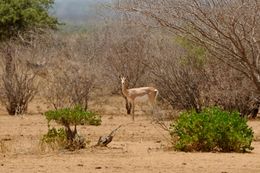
(55, 138)
(67, 136)
(211, 130)
(73, 116)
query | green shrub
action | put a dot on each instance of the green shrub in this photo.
(212, 130)
(69, 117)
(55, 138)
(73, 116)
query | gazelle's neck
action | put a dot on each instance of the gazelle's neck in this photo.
(124, 90)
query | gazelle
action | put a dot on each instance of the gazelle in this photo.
(150, 93)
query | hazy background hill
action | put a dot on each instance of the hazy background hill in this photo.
(77, 12)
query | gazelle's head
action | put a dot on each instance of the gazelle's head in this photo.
(123, 80)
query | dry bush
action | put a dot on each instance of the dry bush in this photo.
(69, 87)
(231, 90)
(19, 83)
(188, 78)
(180, 76)
(24, 69)
(127, 53)
(180, 85)
(71, 72)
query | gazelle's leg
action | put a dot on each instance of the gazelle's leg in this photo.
(152, 102)
(128, 106)
(133, 111)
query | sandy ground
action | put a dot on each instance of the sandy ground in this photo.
(140, 146)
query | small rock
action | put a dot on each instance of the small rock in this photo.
(98, 167)
(80, 164)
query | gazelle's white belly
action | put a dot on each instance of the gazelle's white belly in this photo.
(142, 98)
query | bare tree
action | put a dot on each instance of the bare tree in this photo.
(69, 86)
(181, 76)
(127, 52)
(229, 30)
(19, 84)
(71, 72)
(231, 90)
